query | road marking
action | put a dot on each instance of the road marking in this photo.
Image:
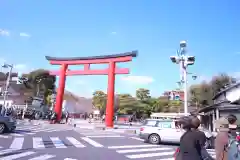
(106, 136)
(69, 159)
(75, 142)
(136, 138)
(167, 159)
(131, 146)
(7, 151)
(147, 155)
(16, 156)
(17, 143)
(2, 136)
(142, 150)
(16, 134)
(43, 157)
(92, 142)
(38, 143)
(57, 142)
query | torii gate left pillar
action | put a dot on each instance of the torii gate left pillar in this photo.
(111, 71)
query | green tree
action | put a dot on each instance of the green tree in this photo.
(220, 81)
(142, 94)
(40, 82)
(201, 94)
(99, 101)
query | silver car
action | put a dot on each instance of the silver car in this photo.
(7, 124)
(156, 131)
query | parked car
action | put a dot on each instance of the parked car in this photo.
(155, 131)
(7, 124)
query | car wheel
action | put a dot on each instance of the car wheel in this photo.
(154, 139)
(2, 128)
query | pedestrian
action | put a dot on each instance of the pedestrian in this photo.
(192, 141)
(221, 140)
(67, 116)
(232, 125)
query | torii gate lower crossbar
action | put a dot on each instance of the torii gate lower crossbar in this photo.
(111, 71)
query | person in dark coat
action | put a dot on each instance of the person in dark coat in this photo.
(191, 141)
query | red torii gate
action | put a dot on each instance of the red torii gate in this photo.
(87, 61)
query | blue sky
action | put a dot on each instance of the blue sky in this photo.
(32, 29)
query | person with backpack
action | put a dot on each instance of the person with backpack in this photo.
(221, 141)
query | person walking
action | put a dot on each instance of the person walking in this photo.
(221, 140)
(190, 146)
(67, 117)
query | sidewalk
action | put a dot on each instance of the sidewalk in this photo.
(84, 124)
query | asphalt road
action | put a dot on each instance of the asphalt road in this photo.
(61, 142)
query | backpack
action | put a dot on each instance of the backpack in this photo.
(233, 148)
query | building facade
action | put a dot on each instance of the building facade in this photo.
(226, 102)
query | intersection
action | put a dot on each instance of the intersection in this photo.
(67, 143)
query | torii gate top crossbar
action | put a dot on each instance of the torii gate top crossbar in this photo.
(87, 61)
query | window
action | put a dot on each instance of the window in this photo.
(150, 123)
(164, 124)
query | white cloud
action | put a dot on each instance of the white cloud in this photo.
(4, 32)
(22, 34)
(113, 32)
(138, 79)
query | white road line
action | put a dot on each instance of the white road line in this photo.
(75, 142)
(131, 146)
(16, 156)
(106, 136)
(92, 142)
(57, 142)
(38, 143)
(7, 151)
(2, 136)
(143, 150)
(43, 157)
(147, 155)
(167, 159)
(16, 134)
(136, 138)
(17, 143)
(69, 159)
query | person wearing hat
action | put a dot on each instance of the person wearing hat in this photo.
(221, 140)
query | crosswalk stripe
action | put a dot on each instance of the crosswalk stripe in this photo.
(136, 138)
(57, 142)
(92, 142)
(142, 150)
(147, 155)
(75, 142)
(7, 151)
(43, 157)
(166, 159)
(69, 159)
(38, 143)
(131, 146)
(16, 134)
(16, 156)
(17, 143)
(2, 136)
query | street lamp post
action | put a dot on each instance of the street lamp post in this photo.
(184, 61)
(7, 86)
